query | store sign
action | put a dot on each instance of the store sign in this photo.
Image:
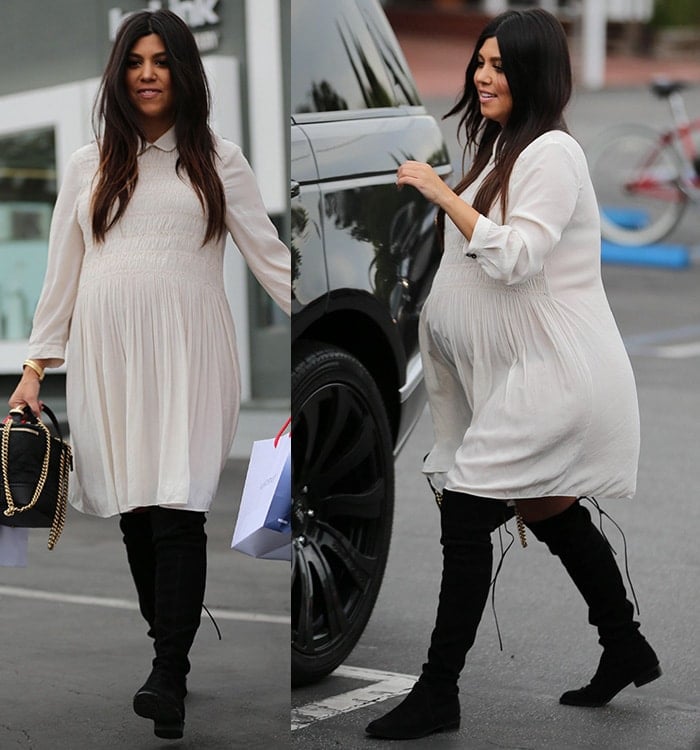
(195, 13)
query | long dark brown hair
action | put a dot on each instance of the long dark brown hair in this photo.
(122, 137)
(535, 59)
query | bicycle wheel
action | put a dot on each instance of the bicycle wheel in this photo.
(637, 180)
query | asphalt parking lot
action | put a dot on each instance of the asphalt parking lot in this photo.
(73, 648)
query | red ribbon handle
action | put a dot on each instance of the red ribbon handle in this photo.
(281, 432)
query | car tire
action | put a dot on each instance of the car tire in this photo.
(343, 502)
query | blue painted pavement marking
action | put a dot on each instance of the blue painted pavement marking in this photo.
(629, 218)
(661, 256)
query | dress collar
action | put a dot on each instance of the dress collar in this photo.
(167, 141)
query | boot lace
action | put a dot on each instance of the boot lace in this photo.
(211, 617)
(602, 513)
(504, 551)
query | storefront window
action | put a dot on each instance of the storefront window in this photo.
(27, 196)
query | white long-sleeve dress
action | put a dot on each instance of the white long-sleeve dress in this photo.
(530, 388)
(143, 322)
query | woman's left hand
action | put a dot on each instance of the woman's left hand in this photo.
(425, 179)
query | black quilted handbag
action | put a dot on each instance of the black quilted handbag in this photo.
(34, 464)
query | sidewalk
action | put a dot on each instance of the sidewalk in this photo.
(438, 63)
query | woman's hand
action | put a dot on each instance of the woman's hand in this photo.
(425, 179)
(27, 393)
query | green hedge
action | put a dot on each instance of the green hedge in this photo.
(676, 13)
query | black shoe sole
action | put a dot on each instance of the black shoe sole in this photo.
(650, 676)
(378, 734)
(646, 677)
(168, 723)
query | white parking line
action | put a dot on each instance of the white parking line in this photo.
(384, 685)
(662, 344)
(103, 601)
(671, 351)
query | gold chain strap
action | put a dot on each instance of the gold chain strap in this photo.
(59, 518)
(436, 492)
(521, 528)
(5, 458)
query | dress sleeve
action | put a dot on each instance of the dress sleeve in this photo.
(52, 317)
(543, 193)
(251, 229)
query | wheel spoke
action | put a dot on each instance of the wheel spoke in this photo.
(360, 444)
(338, 452)
(305, 626)
(359, 566)
(366, 505)
(333, 610)
(313, 557)
(329, 420)
(306, 425)
(337, 403)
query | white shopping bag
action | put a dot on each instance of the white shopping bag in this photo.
(263, 527)
(13, 546)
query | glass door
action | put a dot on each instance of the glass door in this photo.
(27, 196)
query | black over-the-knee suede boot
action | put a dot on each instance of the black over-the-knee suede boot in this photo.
(180, 548)
(138, 540)
(627, 657)
(433, 704)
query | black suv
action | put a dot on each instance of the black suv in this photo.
(364, 255)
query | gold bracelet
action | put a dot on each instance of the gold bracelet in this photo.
(32, 365)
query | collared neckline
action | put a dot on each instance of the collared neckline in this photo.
(167, 141)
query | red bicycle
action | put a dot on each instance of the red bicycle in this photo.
(645, 179)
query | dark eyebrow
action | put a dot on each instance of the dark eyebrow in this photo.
(140, 57)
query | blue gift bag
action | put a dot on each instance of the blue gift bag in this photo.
(279, 516)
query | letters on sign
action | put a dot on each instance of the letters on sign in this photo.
(195, 13)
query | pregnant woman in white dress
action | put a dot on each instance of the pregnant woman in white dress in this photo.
(531, 391)
(134, 301)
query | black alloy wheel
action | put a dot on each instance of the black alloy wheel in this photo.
(343, 502)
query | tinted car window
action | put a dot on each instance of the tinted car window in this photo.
(342, 61)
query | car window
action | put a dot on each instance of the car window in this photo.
(341, 58)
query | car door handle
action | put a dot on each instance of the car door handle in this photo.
(295, 189)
